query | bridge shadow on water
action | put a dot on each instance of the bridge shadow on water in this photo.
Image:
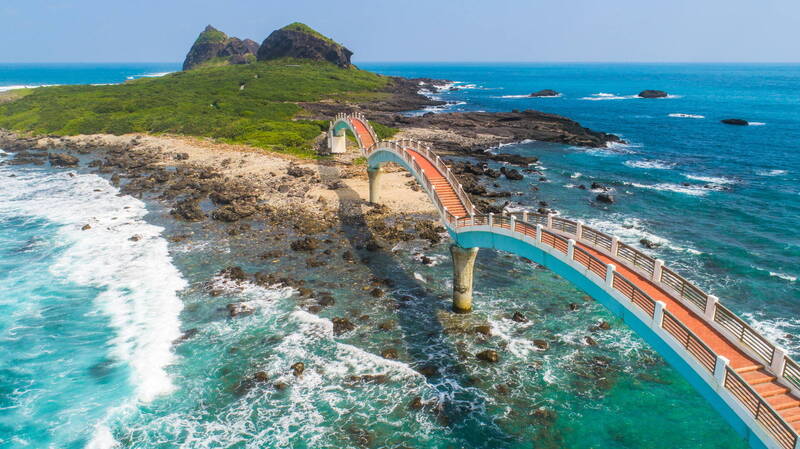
(460, 408)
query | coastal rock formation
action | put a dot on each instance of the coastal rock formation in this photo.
(735, 121)
(300, 41)
(214, 46)
(653, 94)
(473, 132)
(545, 93)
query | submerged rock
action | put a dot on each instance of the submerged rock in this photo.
(488, 356)
(519, 317)
(239, 309)
(342, 325)
(604, 198)
(647, 243)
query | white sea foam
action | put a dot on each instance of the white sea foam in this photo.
(631, 230)
(22, 86)
(692, 190)
(680, 115)
(784, 276)
(650, 164)
(777, 330)
(771, 172)
(607, 96)
(530, 96)
(576, 175)
(757, 123)
(149, 75)
(138, 282)
(720, 180)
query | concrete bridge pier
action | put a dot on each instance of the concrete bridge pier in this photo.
(338, 141)
(463, 265)
(374, 175)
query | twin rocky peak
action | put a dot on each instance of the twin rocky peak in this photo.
(213, 47)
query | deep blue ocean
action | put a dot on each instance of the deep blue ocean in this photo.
(88, 319)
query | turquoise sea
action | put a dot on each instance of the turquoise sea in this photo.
(88, 318)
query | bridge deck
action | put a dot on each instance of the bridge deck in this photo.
(446, 193)
(363, 133)
(752, 371)
(766, 388)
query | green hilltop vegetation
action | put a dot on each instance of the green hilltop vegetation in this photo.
(212, 36)
(303, 28)
(254, 104)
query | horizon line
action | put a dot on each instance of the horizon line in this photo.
(435, 62)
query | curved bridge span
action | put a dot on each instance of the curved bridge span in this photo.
(750, 381)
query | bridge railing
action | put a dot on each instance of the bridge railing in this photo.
(763, 413)
(688, 294)
(533, 226)
(558, 233)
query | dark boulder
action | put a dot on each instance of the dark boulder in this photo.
(735, 121)
(519, 317)
(652, 94)
(189, 210)
(62, 160)
(545, 93)
(342, 325)
(239, 309)
(300, 41)
(511, 174)
(604, 198)
(488, 356)
(647, 243)
(305, 244)
(298, 368)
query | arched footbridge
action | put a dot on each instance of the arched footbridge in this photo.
(749, 380)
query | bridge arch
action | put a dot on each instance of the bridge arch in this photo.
(750, 381)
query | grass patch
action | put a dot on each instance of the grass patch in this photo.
(254, 104)
(303, 28)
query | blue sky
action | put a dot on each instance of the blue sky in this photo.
(412, 30)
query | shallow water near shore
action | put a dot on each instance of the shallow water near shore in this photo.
(93, 363)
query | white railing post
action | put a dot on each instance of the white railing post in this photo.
(711, 308)
(658, 313)
(719, 369)
(610, 269)
(614, 245)
(539, 233)
(525, 216)
(491, 219)
(513, 224)
(657, 266)
(579, 231)
(549, 221)
(778, 361)
(570, 249)
(472, 219)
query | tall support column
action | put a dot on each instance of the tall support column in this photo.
(463, 265)
(338, 142)
(374, 175)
